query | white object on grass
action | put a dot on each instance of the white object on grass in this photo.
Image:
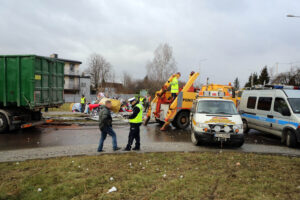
(113, 189)
(111, 178)
(39, 189)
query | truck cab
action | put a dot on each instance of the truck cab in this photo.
(216, 120)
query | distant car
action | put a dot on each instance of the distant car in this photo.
(274, 110)
(216, 120)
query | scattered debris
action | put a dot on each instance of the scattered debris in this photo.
(238, 164)
(164, 175)
(111, 178)
(39, 189)
(113, 189)
(181, 176)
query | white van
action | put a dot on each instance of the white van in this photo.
(274, 110)
(216, 120)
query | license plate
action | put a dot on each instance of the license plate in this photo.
(222, 135)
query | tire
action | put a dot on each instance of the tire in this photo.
(182, 120)
(174, 123)
(290, 139)
(3, 123)
(195, 139)
(245, 127)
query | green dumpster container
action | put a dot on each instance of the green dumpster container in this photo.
(31, 81)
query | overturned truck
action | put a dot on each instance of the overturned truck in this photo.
(28, 83)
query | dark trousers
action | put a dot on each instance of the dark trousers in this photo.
(134, 134)
(82, 107)
(174, 95)
(104, 131)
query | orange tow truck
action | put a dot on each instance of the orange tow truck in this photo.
(165, 110)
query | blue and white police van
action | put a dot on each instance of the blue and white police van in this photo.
(273, 109)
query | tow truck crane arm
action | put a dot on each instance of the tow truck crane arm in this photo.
(158, 96)
(173, 110)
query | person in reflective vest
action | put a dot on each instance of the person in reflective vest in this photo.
(135, 121)
(82, 102)
(175, 86)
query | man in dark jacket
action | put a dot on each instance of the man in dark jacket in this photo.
(135, 121)
(105, 125)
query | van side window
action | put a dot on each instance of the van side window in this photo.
(280, 105)
(251, 102)
(264, 103)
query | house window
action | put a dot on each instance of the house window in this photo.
(72, 67)
(251, 102)
(264, 103)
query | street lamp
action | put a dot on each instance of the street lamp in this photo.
(292, 16)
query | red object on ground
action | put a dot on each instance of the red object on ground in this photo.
(92, 106)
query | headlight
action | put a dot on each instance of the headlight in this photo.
(217, 128)
(227, 129)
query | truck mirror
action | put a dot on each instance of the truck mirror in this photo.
(241, 112)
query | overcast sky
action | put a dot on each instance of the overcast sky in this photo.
(235, 37)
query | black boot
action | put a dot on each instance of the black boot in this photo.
(136, 148)
(128, 148)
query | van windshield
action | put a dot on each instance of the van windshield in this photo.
(295, 104)
(217, 107)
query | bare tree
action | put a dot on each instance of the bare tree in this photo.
(127, 80)
(163, 64)
(291, 77)
(99, 69)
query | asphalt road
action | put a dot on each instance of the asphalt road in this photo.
(52, 141)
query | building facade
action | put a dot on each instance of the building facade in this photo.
(72, 77)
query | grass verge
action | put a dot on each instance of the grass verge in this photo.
(154, 176)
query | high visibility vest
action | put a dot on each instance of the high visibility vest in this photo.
(174, 85)
(141, 100)
(82, 100)
(139, 117)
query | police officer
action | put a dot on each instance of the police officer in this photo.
(82, 102)
(135, 121)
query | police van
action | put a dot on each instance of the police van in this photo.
(216, 120)
(273, 109)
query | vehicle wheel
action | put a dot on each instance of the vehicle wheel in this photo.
(3, 123)
(182, 120)
(194, 139)
(290, 139)
(245, 126)
(174, 123)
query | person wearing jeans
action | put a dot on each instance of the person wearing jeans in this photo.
(105, 125)
(104, 131)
